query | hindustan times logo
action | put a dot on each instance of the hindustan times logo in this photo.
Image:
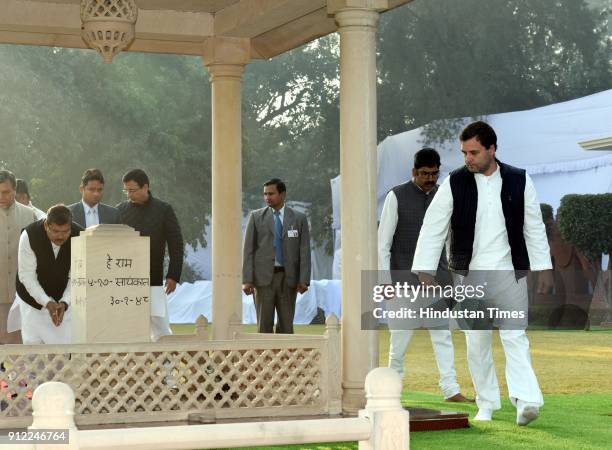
(432, 313)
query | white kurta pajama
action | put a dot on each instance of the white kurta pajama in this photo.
(399, 339)
(160, 323)
(36, 325)
(491, 252)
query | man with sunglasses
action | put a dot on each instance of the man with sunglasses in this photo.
(154, 218)
(398, 232)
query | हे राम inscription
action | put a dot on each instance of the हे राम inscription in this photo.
(110, 285)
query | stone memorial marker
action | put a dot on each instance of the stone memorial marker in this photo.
(109, 285)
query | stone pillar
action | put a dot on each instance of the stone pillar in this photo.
(390, 421)
(357, 21)
(225, 59)
(110, 292)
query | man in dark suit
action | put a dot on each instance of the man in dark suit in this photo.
(276, 259)
(89, 211)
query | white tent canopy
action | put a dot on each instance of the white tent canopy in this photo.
(191, 300)
(544, 141)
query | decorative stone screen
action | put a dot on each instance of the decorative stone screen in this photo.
(121, 383)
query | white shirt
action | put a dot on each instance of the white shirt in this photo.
(281, 216)
(91, 214)
(386, 229)
(27, 272)
(39, 214)
(491, 250)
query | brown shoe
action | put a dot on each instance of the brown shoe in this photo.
(459, 398)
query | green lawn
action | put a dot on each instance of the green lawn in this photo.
(575, 373)
(568, 421)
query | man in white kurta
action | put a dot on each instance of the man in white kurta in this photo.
(43, 278)
(36, 324)
(398, 231)
(493, 251)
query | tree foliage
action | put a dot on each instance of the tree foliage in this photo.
(547, 218)
(68, 111)
(443, 59)
(586, 222)
(291, 128)
(63, 110)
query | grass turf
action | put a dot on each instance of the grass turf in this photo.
(568, 421)
(574, 369)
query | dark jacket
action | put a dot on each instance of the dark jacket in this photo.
(52, 272)
(156, 219)
(412, 203)
(106, 214)
(258, 250)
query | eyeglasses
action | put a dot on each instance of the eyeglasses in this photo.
(130, 191)
(424, 174)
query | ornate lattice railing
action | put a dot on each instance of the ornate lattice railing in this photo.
(168, 381)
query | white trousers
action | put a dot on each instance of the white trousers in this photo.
(505, 291)
(442, 343)
(38, 328)
(160, 324)
(521, 379)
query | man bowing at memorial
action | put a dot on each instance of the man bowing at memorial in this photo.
(154, 218)
(43, 277)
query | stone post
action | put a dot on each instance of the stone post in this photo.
(390, 421)
(53, 409)
(110, 291)
(332, 332)
(357, 21)
(225, 59)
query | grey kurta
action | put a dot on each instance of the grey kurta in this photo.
(12, 221)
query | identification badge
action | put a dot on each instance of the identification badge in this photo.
(292, 233)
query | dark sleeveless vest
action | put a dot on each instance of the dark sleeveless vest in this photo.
(463, 219)
(412, 204)
(52, 273)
